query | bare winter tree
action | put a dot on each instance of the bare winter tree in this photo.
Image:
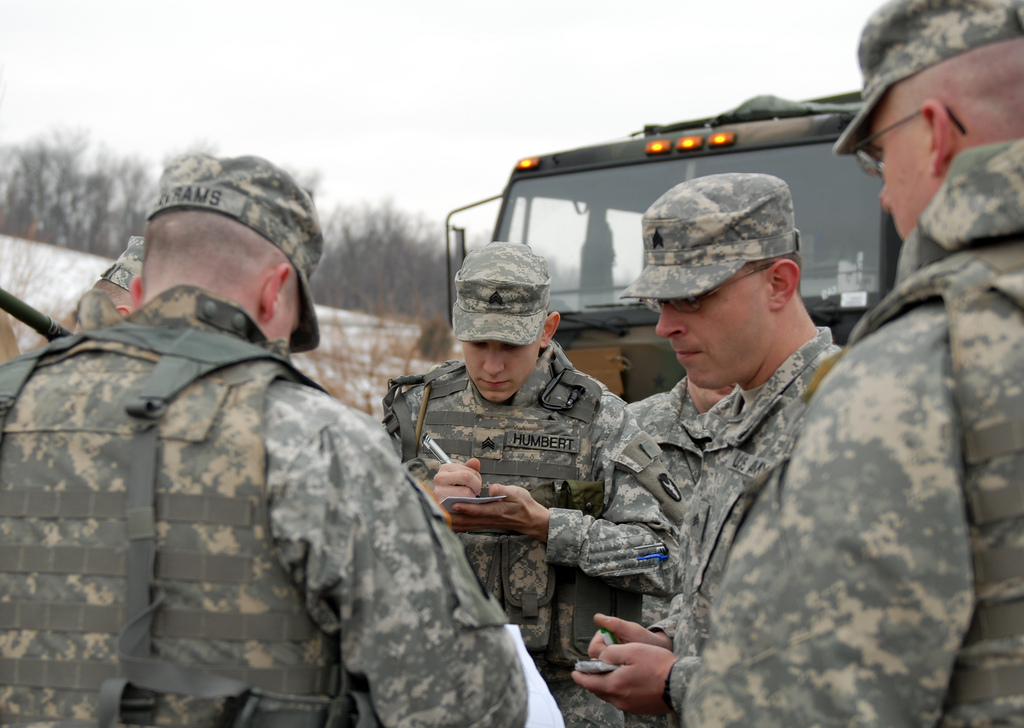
(377, 258)
(383, 261)
(54, 190)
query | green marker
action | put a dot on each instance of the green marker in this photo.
(609, 638)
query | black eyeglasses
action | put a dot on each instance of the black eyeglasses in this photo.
(870, 158)
(692, 304)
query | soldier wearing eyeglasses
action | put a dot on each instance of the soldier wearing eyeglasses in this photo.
(878, 578)
(723, 270)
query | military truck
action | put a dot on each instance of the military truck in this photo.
(581, 209)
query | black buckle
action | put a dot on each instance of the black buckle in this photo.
(574, 395)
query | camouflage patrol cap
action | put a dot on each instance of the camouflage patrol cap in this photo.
(904, 37)
(701, 232)
(261, 196)
(128, 264)
(503, 291)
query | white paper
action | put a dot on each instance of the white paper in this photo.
(452, 499)
(542, 710)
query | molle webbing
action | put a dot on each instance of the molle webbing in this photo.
(990, 622)
(454, 418)
(464, 449)
(169, 622)
(187, 358)
(90, 675)
(968, 686)
(441, 422)
(989, 506)
(994, 621)
(999, 564)
(450, 387)
(188, 355)
(1002, 437)
(534, 469)
(112, 562)
(993, 440)
(175, 507)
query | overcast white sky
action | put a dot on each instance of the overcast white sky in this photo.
(429, 102)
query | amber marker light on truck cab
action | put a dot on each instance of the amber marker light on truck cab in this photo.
(658, 146)
(528, 163)
(689, 143)
(722, 139)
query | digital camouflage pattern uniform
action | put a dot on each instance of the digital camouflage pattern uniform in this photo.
(679, 429)
(697, 236)
(290, 542)
(681, 432)
(877, 579)
(128, 264)
(571, 460)
(748, 438)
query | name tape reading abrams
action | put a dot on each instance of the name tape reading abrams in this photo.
(196, 195)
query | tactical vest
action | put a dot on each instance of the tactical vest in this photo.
(983, 291)
(546, 441)
(82, 530)
(544, 448)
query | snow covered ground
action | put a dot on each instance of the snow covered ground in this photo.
(358, 353)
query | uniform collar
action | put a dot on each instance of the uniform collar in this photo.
(200, 309)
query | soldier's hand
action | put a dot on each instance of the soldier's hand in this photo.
(625, 633)
(518, 511)
(456, 479)
(637, 685)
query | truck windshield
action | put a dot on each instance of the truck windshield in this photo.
(587, 224)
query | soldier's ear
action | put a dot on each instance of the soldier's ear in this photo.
(135, 288)
(784, 278)
(945, 137)
(550, 326)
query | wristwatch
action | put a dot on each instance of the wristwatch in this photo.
(666, 695)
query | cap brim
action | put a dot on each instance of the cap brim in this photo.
(503, 327)
(860, 127)
(307, 336)
(676, 281)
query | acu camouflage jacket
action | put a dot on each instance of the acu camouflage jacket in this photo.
(878, 577)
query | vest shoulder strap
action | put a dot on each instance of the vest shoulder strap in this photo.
(398, 416)
(17, 371)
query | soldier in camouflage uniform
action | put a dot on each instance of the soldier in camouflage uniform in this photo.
(676, 421)
(115, 281)
(878, 577)
(577, 532)
(256, 543)
(723, 269)
(127, 266)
